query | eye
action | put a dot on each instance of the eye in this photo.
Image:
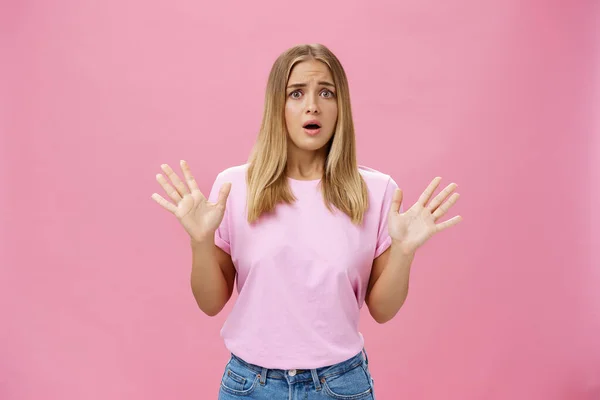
(295, 94)
(327, 93)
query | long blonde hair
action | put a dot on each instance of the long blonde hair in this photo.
(342, 185)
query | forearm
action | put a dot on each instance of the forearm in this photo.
(389, 292)
(209, 285)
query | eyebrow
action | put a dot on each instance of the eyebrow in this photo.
(300, 85)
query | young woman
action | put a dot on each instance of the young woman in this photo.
(310, 236)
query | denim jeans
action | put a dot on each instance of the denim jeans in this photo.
(347, 380)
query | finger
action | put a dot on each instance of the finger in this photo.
(170, 190)
(443, 195)
(160, 200)
(223, 194)
(179, 185)
(396, 201)
(443, 209)
(447, 224)
(424, 198)
(187, 173)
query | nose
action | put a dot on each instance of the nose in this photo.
(312, 107)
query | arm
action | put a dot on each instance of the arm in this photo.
(388, 283)
(213, 272)
(213, 275)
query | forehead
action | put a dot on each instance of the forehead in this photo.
(310, 70)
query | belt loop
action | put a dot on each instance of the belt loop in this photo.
(315, 378)
(366, 357)
(263, 376)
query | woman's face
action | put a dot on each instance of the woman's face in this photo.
(311, 99)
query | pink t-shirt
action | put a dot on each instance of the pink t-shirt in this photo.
(302, 273)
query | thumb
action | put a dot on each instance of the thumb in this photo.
(224, 193)
(396, 201)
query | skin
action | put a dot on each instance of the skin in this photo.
(388, 283)
(311, 95)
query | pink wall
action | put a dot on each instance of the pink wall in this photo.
(497, 96)
(593, 274)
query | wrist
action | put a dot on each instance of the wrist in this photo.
(404, 248)
(202, 240)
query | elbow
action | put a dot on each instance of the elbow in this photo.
(211, 311)
(382, 319)
(208, 305)
(379, 316)
(383, 313)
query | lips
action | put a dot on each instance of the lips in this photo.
(311, 125)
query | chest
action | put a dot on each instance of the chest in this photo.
(303, 240)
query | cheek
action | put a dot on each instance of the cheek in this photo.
(332, 113)
(291, 114)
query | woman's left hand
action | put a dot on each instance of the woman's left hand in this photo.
(416, 225)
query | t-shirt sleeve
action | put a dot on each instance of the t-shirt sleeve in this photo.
(383, 237)
(222, 233)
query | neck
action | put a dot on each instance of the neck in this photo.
(305, 165)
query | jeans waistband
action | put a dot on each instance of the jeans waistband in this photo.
(306, 374)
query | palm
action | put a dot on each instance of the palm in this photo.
(414, 227)
(199, 217)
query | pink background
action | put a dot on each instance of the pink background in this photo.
(501, 97)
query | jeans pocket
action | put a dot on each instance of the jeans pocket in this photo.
(238, 380)
(353, 384)
(368, 372)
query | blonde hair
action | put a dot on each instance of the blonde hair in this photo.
(342, 185)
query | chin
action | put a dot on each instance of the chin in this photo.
(312, 148)
(311, 144)
(306, 142)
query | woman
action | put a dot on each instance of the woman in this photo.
(310, 235)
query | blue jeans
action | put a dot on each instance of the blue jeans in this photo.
(348, 380)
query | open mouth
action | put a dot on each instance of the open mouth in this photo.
(312, 125)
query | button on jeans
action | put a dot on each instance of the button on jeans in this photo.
(347, 380)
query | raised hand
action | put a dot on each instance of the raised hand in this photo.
(414, 227)
(199, 217)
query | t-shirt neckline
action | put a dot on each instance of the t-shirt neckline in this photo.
(304, 181)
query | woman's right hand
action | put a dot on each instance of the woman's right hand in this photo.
(199, 217)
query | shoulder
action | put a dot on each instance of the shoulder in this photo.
(233, 174)
(376, 181)
(381, 187)
(236, 175)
